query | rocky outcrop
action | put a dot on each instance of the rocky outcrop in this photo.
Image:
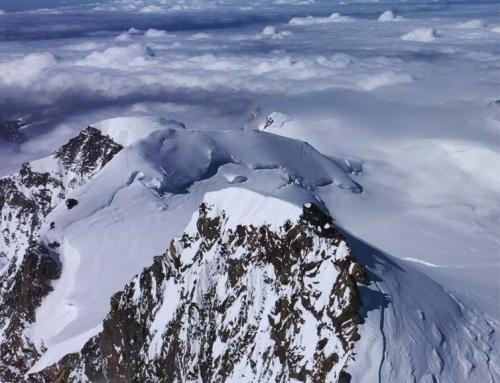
(246, 303)
(84, 155)
(28, 267)
(27, 197)
(22, 291)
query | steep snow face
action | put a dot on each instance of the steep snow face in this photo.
(274, 298)
(149, 191)
(419, 331)
(127, 130)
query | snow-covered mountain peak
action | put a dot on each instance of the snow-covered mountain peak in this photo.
(77, 161)
(182, 157)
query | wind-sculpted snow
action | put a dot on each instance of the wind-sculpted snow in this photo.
(272, 298)
(189, 156)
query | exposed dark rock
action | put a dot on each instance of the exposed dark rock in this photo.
(344, 377)
(21, 295)
(71, 203)
(87, 152)
(215, 327)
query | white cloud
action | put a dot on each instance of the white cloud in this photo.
(311, 20)
(23, 71)
(389, 16)
(128, 35)
(384, 79)
(269, 30)
(119, 57)
(83, 47)
(201, 35)
(272, 32)
(155, 33)
(125, 36)
(470, 24)
(423, 35)
(152, 9)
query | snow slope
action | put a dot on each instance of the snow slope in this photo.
(417, 330)
(148, 191)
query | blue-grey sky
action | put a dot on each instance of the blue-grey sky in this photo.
(21, 5)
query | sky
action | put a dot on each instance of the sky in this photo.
(16, 5)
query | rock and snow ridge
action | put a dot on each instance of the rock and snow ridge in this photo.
(132, 201)
(273, 298)
(29, 266)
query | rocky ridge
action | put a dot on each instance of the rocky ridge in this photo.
(28, 267)
(226, 303)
